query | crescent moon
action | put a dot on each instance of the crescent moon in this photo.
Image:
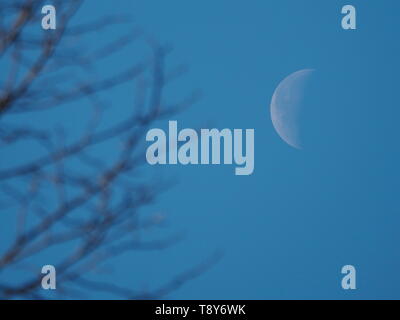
(287, 102)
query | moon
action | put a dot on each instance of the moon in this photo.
(287, 104)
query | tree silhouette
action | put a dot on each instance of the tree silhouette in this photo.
(62, 194)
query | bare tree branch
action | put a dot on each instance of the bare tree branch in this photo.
(64, 194)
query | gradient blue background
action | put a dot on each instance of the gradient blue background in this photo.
(287, 230)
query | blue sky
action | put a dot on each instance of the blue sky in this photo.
(287, 229)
